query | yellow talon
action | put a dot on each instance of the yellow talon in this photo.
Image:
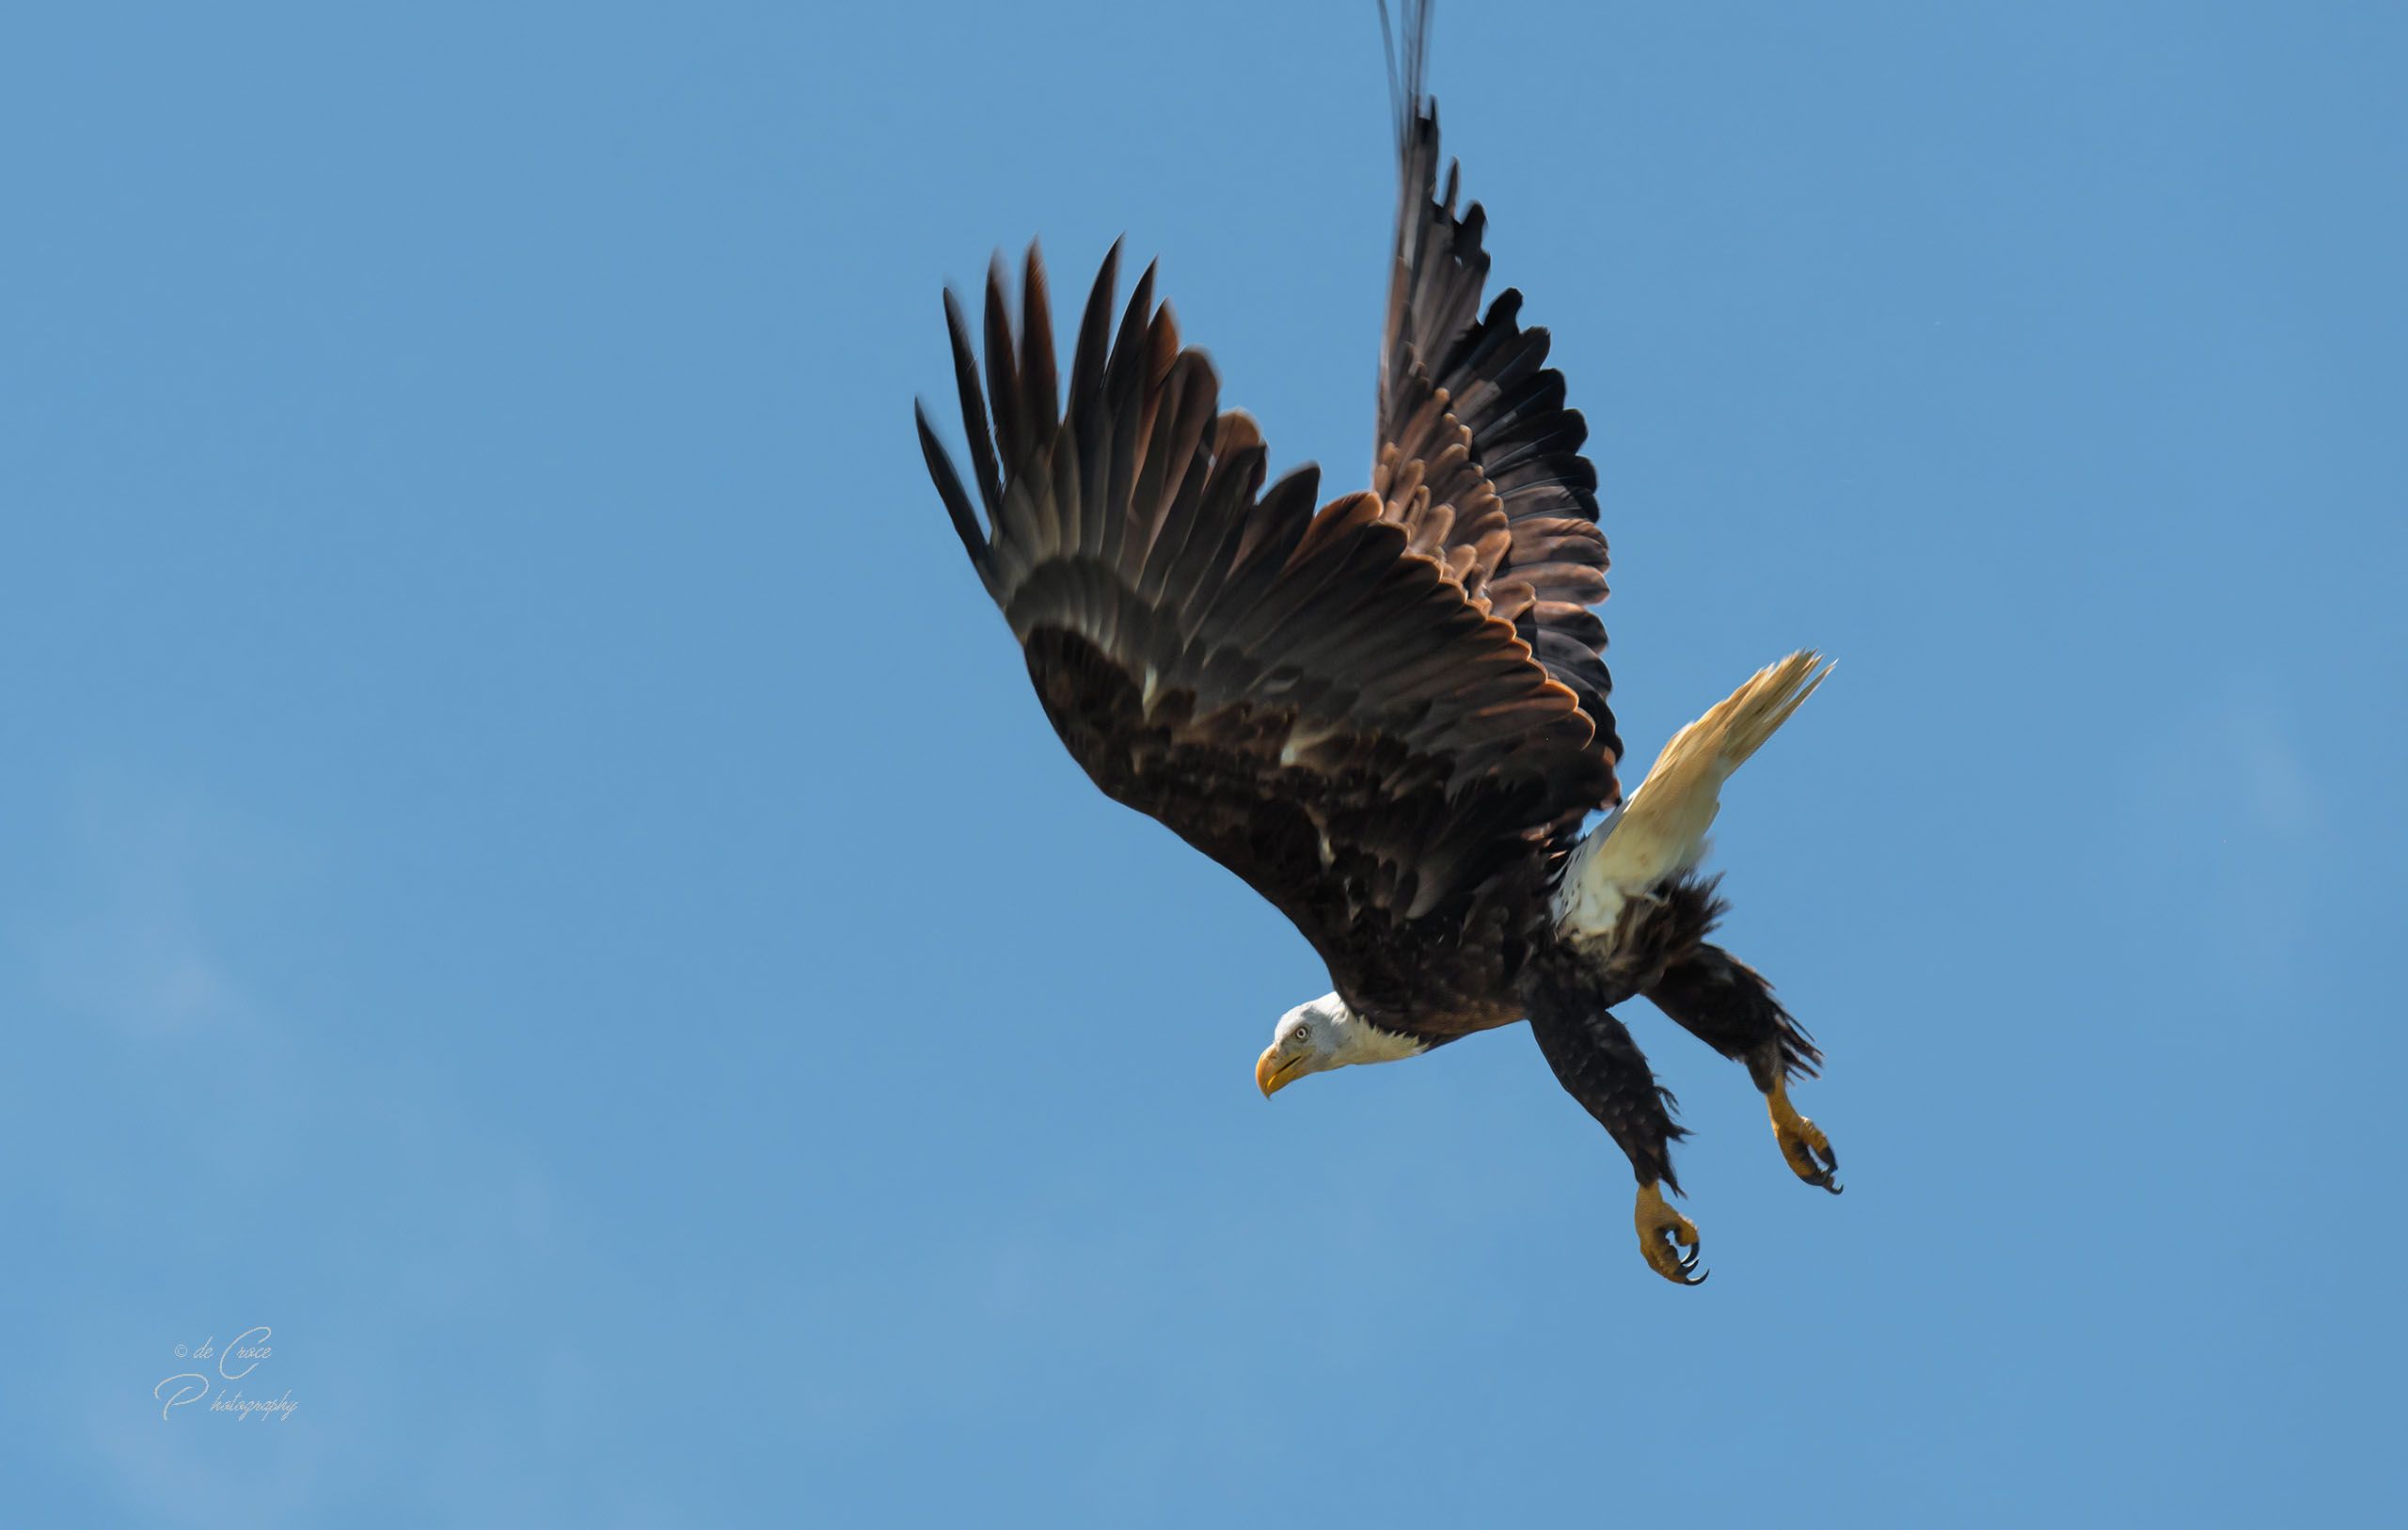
(1663, 1233)
(1802, 1143)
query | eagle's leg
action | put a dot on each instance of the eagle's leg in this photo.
(1721, 1002)
(1601, 1066)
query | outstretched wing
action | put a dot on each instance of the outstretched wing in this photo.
(1478, 459)
(1297, 693)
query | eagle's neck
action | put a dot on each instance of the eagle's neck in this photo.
(1360, 1041)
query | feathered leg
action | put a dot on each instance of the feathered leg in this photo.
(1724, 1004)
(1598, 1065)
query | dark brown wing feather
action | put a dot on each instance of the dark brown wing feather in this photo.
(1295, 692)
(1478, 459)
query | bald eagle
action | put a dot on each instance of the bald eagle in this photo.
(1387, 715)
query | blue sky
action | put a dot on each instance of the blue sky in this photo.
(531, 869)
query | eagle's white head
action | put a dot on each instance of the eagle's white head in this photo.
(1322, 1034)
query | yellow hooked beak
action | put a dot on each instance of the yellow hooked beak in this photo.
(1271, 1072)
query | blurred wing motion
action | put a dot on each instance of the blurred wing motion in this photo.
(1478, 458)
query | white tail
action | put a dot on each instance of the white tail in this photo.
(1661, 829)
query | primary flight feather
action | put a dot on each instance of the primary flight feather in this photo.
(1388, 714)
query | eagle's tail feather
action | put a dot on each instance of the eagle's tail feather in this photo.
(1738, 726)
(1678, 799)
(1662, 828)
